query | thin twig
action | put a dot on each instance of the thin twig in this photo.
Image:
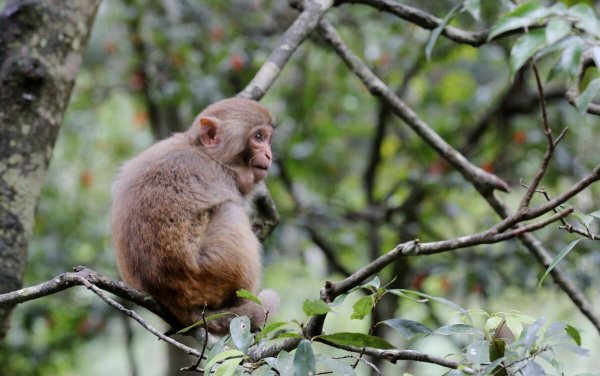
(395, 355)
(196, 366)
(550, 140)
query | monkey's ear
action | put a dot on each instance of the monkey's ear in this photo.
(209, 131)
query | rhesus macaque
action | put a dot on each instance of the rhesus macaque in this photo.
(179, 216)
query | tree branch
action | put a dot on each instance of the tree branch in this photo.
(471, 172)
(484, 183)
(304, 25)
(430, 22)
(83, 281)
(395, 355)
(71, 279)
(332, 290)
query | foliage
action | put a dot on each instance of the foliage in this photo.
(335, 178)
(506, 343)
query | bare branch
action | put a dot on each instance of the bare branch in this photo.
(430, 22)
(471, 172)
(304, 25)
(545, 259)
(332, 290)
(95, 282)
(395, 355)
(582, 184)
(551, 143)
(70, 279)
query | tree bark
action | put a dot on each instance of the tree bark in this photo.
(41, 46)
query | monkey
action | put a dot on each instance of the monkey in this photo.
(179, 217)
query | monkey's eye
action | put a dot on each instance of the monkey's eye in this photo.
(259, 136)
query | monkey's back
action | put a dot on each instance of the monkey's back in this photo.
(163, 203)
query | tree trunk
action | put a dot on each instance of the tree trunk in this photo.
(41, 46)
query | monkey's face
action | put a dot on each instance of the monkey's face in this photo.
(258, 154)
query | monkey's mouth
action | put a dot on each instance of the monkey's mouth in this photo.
(260, 171)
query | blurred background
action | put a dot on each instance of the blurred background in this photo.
(350, 180)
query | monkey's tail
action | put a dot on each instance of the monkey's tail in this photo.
(257, 313)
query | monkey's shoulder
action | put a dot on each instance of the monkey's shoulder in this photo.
(177, 172)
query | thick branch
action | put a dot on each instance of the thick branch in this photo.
(71, 279)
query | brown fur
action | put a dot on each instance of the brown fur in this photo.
(179, 221)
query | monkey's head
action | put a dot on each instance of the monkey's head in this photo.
(238, 132)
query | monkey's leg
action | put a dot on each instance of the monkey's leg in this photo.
(228, 260)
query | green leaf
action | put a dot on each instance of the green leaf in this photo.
(240, 332)
(584, 100)
(494, 369)
(559, 257)
(248, 295)
(524, 15)
(315, 307)
(375, 283)
(478, 352)
(408, 328)
(586, 16)
(217, 347)
(556, 30)
(584, 219)
(595, 214)
(497, 348)
(289, 335)
(406, 294)
(272, 326)
(438, 30)
(574, 334)
(569, 60)
(525, 47)
(264, 370)
(304, 360)
(338, 367)
(458, 329)
(474, 8)
(532, 369)
(233, 353)
(531, 335)
(357, 339)
(337, 302)
(228, 367)
(285, 363)
(207, 319)
(492, 323)
(362, 307)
